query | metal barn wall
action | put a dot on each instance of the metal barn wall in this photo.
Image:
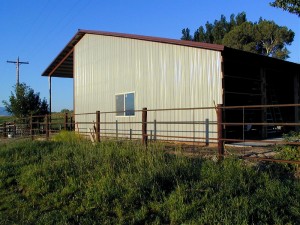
(161, 76)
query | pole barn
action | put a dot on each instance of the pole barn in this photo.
(123, 73)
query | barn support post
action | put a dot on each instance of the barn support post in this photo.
(47, 126)
(220, 132)
(144, 126)
(206, 132)
(66, 121)
(50, 94)
(263, 76)
(97, 126)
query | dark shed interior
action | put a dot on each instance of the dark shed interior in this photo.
(250, 79)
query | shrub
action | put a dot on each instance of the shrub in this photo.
(292, 136)
(68, 136)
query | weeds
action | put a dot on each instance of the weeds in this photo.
(73, 182)
(289, 152)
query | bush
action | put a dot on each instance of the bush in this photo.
(68, 137)
(292, 136)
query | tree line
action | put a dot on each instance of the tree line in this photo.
(263, 37)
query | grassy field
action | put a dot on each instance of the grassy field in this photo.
(74, 182)
(5, 119)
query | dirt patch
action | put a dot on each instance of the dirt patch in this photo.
(211, 151)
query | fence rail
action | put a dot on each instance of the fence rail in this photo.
(216, 126)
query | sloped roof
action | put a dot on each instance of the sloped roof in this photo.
(62, 65)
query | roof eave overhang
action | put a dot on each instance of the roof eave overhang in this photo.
(62, 65)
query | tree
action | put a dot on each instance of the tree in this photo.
(242, 37)
(263, 37)
(24, 102)
(214, 33)
(186, 34)
(292, 6)
(271, 39)
(66, 111)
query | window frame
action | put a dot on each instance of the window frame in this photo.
(124, 104)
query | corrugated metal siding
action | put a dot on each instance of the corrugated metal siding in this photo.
(161, 75)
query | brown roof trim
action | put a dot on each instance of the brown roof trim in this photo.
(62, 65)
(158, 39)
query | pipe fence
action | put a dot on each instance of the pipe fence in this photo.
(221, 129)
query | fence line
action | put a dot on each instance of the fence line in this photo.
(205, 126)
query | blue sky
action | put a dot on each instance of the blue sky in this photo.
(37, 30)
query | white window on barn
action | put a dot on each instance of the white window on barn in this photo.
(125, 104)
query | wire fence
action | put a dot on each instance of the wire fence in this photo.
(224, 130)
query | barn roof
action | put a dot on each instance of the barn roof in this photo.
(62, 65)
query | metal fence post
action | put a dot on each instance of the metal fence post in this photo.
(144, 126)
(206, 132)
(154, 138)
(130, 134)
(220, 132)
(98, 126)
(117, 130)
(66, 121)
(47, 127)
(194, 130)
(31, 127)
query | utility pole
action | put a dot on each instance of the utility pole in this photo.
(18, 63)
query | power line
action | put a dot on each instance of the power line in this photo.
(18, 63)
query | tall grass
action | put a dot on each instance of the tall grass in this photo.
(74, 182)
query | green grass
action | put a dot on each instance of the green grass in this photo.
(74, 182)
(6, 119)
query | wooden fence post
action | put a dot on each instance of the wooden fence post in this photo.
(47, 127)
(66, 121)
(4, 130)
(15, 128)
(220, 132)
(98, 126)
(71, 123)
(144, 126)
